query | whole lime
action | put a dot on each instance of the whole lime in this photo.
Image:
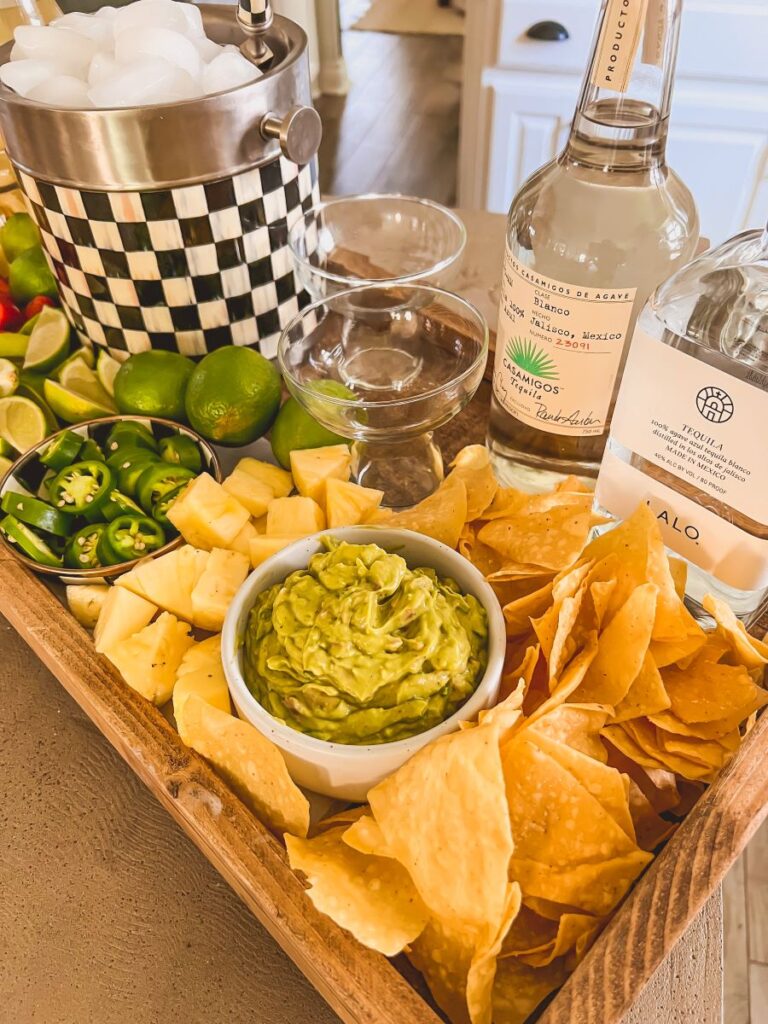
(18, 234)
(233, 396)
(29, 276)
(153, 384)
(294, 428)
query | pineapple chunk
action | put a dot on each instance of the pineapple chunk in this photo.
(250, 492)
(347, 504)
(201, 673)
(242, 541)
(248, 762)
(148, 660)
(296, 516)
(278, 480)
(215, 589)
(168, 581)
(85, 601)
(313, 466)
(206, 515)
(260, 525)
(123, 615)
(263, 548)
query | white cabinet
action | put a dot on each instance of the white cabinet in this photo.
(520, 96)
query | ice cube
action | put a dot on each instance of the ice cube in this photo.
(44, 42)
(227, 71)
(164, 43)
(194, 19)
(147, 14)
(106, 12)
(207, 48)
(98, 29)
(143, 82)
(102, 66)
(23, 75)
(61, 91)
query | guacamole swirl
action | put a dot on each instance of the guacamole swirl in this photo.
(358, 648)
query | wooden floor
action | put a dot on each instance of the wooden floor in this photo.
(398, 128)
(746, 935)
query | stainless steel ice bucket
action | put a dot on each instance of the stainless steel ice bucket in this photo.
(166, 226)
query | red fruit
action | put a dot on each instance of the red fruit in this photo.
(11, 317)
(4, 287)
(36, 305)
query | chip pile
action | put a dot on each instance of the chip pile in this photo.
(496, 854)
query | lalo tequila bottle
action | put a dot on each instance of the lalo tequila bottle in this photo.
(589, 237)
(690, 430)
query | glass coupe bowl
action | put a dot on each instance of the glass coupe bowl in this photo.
(385, 366)
(370, 239)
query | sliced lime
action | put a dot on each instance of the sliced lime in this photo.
(74, 407)
(82, 355)
(9, 378)
(106, 370)
(22, 423)
(48, 342)
(32, 387)
(13, 346)
(29, 326)
(83, 381)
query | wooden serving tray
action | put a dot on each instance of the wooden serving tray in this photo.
(361, 986)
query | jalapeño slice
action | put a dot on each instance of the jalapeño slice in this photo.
(81, 487)
(181, 450)
(117, 504)
(129, 537)
(29, 542)
(82, 550)
(130, 434)
(37, 513)
(157, 480)
(62, 451)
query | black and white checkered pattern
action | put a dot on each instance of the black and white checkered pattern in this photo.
(185, 269)
(255, 12)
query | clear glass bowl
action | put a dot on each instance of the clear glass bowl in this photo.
(385, 366)
(370, 239)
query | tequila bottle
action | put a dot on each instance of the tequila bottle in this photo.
(589, 237)
(691, 422)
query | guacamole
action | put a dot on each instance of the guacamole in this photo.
(358, 648)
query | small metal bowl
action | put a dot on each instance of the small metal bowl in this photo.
(27, 473)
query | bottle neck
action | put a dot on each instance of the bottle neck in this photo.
(622, 116)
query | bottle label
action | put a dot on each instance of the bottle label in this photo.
(702, 426)
(620, 33)
(558, 350)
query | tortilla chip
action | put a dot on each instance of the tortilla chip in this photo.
(678, 570)
(670, 652)
(621, 649)
(480, 555)
(473, 466)
(372, 897)
(518, 989)
(443, 817)
(646, 695)
(711, 692)
(346, 817)
(365, 836)
(482, 969)
(522, 672)
(554, 538)
(573, 676)
(441, 516)
(575, 725)
(646, 741)
(519, 613)
(575, 933)
(247, 761)
(650, 828)
(748, 650)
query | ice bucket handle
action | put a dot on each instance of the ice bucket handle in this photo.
(299, 132)
(255, 18)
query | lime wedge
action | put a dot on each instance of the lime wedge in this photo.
(5, 465)
(48, 342)
(106, 371)
(82, 355)
(9, 378)
(13, 346)
(29, 326)
(22, 423)
(74, 407)
(32, 386)
(83, 381)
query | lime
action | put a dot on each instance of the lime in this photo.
(48, 342)
(29, 276)
(9, 378)
(22, 423)
(73, 407)
(18, 234)
(77, 376)
(233, 396)
(5, 465)
(32, 386)
(294, 428)
(84, 356)
(29, 326)
(106, 371)
(153, 384)
(13, 346)
(5, 448)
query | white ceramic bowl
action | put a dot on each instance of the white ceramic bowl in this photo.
(342, 770)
